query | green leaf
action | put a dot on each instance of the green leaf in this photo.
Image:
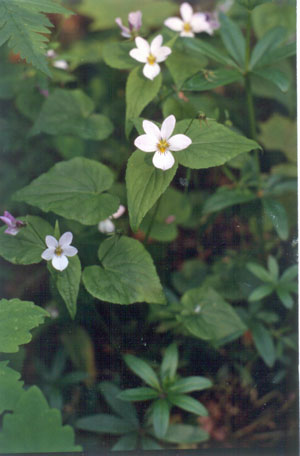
(127, 442)
(189, 384)
(161, 416)
(206, 49)
(274, 56)
(68, 282)
(105, 12)
(26, 30)
(273, 15)
(17, 318)
(145, 184)
(280, 133)
(191, 274)
(206, 315)
(169, 363)
(116, 55)
(28, 245)
(140, 91)
(275, 76)
(273, 267)
(127, 274)
(212, 144)
(226, 197)
(260, 292)
(271, 40)
(111, 393)
(285, 298)
(264, 343)
(251, 4)
(10, 387)
(105, 424)
(138, 394)
(185, 433)
(260, 272)
(142, 370)
(278, 216)
(149, 444)
(70, 112)
(210, 79)
(39, 428)
(183, 63)
(289, 274)
(188, 403)
(233, 39)
(73, 189)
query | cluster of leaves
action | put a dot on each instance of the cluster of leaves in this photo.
(77, 132)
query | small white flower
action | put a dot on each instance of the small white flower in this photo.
(58, 251)
(190, 23)
(134, 24)
(61, 64)
(107, 226)
(150, 54)
(160, 141)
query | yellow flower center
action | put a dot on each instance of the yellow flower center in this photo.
(187, 27)
(58, 251)
(151, 59)
(162, 146)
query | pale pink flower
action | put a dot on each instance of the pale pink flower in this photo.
(13, 225)
(134, 24)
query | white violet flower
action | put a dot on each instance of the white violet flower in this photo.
(107, 226)
(150, 54)
(190, 23)
(134, 24)
(161, 142)
(58, 251)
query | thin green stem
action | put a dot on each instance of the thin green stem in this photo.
(152, 221)
(187, 180)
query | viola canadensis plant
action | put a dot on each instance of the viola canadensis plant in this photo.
(161, 143)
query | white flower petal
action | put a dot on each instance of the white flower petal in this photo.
(12, 231)
(151, 71)
(65, 239)
(146, 143)
(174, 23)
(106, 226)
(119, 212)
(156, 44)
(48, 254)
(51, 242)
(163, 53)
(151, 129)
(186, 12)
(168, 126)
(61, 64)
(138, 55)
(60, 262)
(142, 45)
(188, 34)
(70, 251)
(179, 142)
(163, 161)
(199, 23)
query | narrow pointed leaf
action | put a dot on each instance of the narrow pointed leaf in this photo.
(264, 344)
(233, 39)
(161, 416)
(138, 394)
(188, 403)
(142, 370)
(169, 363)
(189, 384)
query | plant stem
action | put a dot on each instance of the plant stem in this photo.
(152, 221)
